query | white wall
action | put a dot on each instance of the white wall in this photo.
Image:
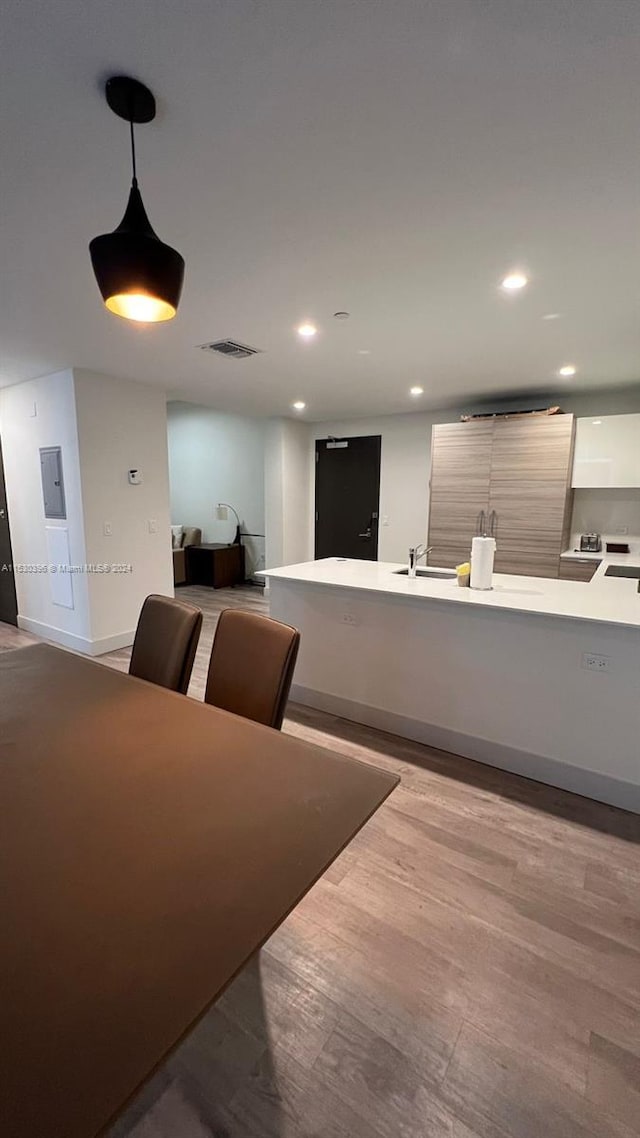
(288, 492)
(215, 457)
(104, 426)
(404, 474)
(274, 495)
(298, 484)
(123, 425)
(406, 457)
(612, 512)
(41, 413)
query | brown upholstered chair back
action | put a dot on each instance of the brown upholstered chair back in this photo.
(251, 666)
(165, 644)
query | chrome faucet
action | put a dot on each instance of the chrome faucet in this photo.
(415, 553)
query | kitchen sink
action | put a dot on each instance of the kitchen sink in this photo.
(632, 571)
(442, 574)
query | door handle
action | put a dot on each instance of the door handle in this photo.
(367, 534)
(1, 513)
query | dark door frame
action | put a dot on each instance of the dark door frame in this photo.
(371, 523)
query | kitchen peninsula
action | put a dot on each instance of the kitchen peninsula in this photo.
(537, 676)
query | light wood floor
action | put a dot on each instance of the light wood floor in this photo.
(468, 968)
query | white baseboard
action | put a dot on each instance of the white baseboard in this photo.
(552, 772)
(111, 643)
(77, 643)
(55, 635)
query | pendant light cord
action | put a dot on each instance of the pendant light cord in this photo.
(133, 154)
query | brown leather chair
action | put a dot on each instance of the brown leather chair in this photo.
(165, 644)
(251, 666)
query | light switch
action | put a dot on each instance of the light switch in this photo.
(107, 529)
(153, 525)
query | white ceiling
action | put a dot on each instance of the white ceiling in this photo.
(389, 157)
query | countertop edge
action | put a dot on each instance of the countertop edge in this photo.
(461, 597)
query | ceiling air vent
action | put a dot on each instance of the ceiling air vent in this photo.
(230, 348)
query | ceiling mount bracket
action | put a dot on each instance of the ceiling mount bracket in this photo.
(130, 99)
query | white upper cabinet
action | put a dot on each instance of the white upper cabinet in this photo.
(607, 451)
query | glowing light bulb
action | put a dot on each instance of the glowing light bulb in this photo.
(513, 282)
(141, 307)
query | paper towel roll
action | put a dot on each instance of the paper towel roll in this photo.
(483, 551)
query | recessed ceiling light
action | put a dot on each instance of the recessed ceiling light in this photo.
(364, 351)
(416, 391)
(552, 316)
(298, 405)
(307, 331)
(567, 370)
(342, 315)
(513, 282)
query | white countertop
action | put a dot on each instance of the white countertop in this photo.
(610, 600)
(574, 553)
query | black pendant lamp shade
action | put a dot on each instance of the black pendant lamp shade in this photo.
(139, 276)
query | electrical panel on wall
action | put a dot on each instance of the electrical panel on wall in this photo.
(52, 482)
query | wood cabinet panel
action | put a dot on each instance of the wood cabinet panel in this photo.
(530, 472)
(461, 456)
(527, 563)
(533, 449)
(528, 509)
(519, 468)
(571, 570)
(444, 556)
(451, 542)
(456, 514)
(460, 475)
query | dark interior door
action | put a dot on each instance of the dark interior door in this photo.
(347, 497)
(8, 603)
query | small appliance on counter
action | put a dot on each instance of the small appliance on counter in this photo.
(590, 543)
(618, 547)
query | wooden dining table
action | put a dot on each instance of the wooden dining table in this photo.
(149, 845)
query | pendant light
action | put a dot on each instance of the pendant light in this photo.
(140, 277)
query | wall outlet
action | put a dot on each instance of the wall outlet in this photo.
(153, 525)
(349, 618)
(622, 530)
(107, 529)
(592, 662)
